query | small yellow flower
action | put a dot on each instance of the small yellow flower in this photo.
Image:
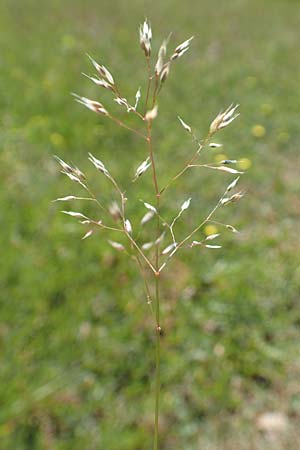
(57, 140)
(283, 137)
(210, 229)
(267, 109)
(258, 131)
(244, 164)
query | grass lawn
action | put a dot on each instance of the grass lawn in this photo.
(76, 337)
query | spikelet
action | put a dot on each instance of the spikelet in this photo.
(223, 119)
(145, 37)
(181, 49)
(93, 105)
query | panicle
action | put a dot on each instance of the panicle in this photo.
(93, 105)
(223, 119)
(146, 37)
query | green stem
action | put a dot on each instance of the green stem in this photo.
(157, 277)
(157, 368)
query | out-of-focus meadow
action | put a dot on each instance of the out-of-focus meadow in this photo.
(77, 341)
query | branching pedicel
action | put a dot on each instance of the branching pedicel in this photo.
(154, 263)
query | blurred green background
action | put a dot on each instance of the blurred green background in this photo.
(77, 341)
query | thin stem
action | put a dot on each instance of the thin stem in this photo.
(149, 83)
(147, 289)
(122, 124)
(140, 252)
(188, 163)
(157, 291)
(207, 219)
(155, 90)
(157, 359)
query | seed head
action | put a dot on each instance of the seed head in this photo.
(93, 105)
(115, 211)
(185, 125)
(128, 226)
(165, 72)
(181, 49)
(99, 82)
(160, 59)
(223, 119)
(152, 114)
(145, 37)
(117, 245)
(98, 164)
(103, 71)
(142, 168)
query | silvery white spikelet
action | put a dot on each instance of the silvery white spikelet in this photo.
(93, 105)
(116, 245)
(185, 125)
(99, 82)
(223, 119)
(145, 37)
(78, 215)
(87, 234)
(210, 237)
(152, 114)
(160, 60)
(169, 248)
(181, 49)
(150, 207)
(102, 70)
(98, 164)
(142, 168)
(128, 226)
(148, 216)
(137, 98)
(186, 204)
(233, 184)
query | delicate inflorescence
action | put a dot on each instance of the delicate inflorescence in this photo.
(117, 211)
